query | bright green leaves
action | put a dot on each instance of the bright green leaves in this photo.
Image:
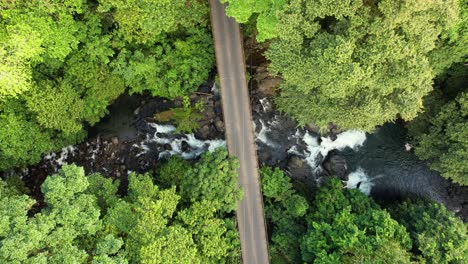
(266, 12)
(343, 69)
(57, 108)
(148, 225)
(284, 209)
(173, 66)
(143, 21)
(62, 63)
(275, 185)
(214, 178)
(48, 237)
(346, 226)
(445, 142)
(438, 235)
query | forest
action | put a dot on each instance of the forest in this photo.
(170, 194)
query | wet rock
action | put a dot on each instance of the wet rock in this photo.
(185, 146)
(115, 140)
(219, 125)
(193, 97)
(204, 132)
(335, 165)
(268, 86)
(295, 162)
(167, 147)
(311, 127)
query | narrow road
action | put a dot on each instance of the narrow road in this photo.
(239, 133)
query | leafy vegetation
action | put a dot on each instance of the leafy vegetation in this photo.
(63, 63)
(264, 11)
(438, 236)
(186, 117)
(345, 226)
(357, 64)
(441, 133)
(85, 220)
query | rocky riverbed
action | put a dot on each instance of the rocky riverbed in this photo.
(129, 139)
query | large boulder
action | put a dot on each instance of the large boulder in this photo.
(335, 165)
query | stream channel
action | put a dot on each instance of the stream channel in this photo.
(381, 164)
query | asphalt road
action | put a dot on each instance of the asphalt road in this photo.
(239, 133)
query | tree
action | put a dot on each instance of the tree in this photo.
(439, 236)
(346, 226)
(144, 21)
(64, 62)
(213, 178)
(285, 210)
(85, 220)
(339, 66)
(445, 145)
(187, 117)
(265, 12)
(440, 133)
(49, 236)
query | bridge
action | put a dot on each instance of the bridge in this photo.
(239, 133)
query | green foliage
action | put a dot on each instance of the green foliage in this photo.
(266, 12)
(49, 236)
(346, 226)
(340, 226)
(213, 178)
(172, 173)
(445, 144)
(143, 21)
(187, 117)
(339, 66)
(284, 209)
(63, 62)
(173, 66)
(440, 132)
(452, 45)
(438, 235)
(84, 220)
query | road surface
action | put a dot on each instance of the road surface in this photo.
(239, 133)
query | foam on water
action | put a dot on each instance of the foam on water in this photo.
(262, 134)
(359, 180)
(165, 135)
(348, 139)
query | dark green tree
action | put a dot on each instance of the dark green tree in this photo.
(356, 63)
(438, 235)
(284, 210)
(345, 226)
(64, 62)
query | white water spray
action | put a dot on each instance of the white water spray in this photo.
(348, 139)
(195, 146)
(359, 180)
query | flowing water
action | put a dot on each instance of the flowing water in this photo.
(381, 164)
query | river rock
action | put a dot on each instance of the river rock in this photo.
(335, 165)
(219, 126)
(267, 86)
(203, 132)
(266, 82)
(115, 140)
(311, 127)
(167, 147)
(185, 146)
(295, 162)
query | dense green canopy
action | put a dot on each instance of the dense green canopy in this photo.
(345, 226)
(63, 62)
(357, 64)
(84, 220)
